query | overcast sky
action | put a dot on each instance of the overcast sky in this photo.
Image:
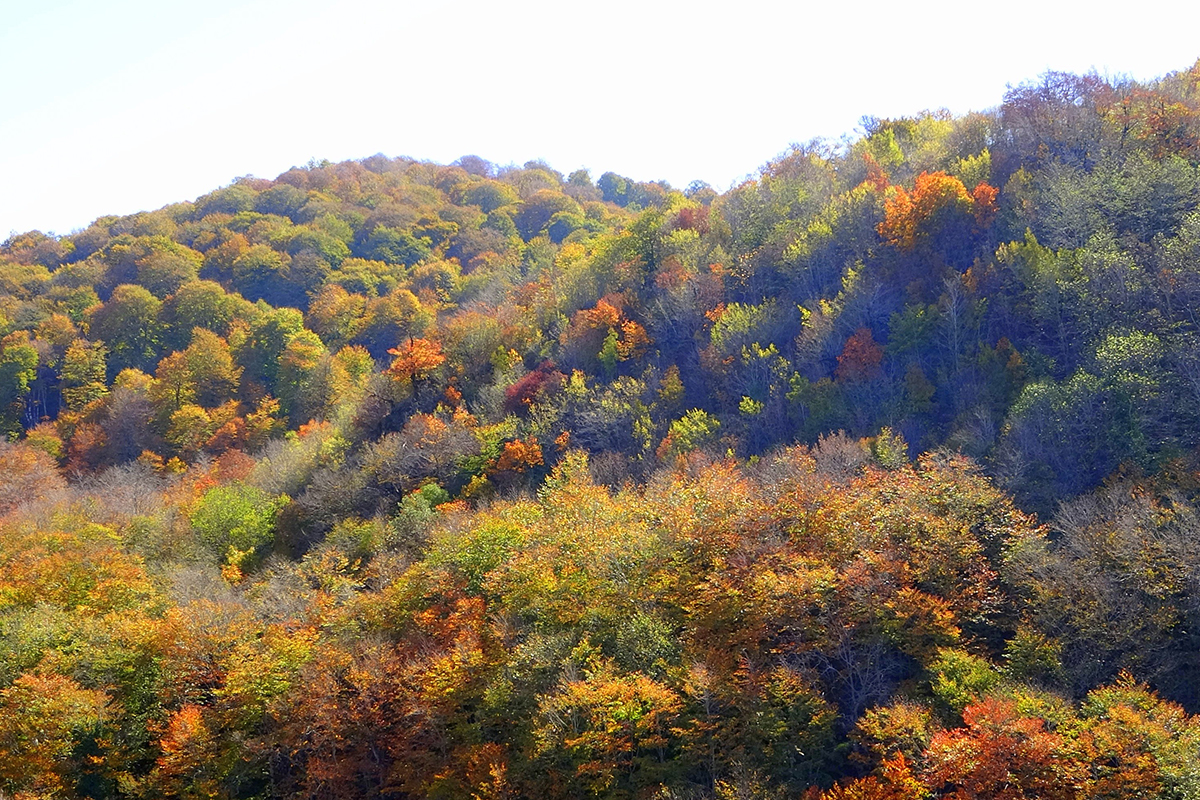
(127, 105)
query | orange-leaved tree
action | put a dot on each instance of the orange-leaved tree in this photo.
(415, 360)
(999, 754)
(938, 217)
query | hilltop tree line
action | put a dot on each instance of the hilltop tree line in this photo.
(393, 479)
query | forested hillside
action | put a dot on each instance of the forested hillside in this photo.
(872, 477)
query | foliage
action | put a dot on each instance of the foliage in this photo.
(235, 520)
(392, 479)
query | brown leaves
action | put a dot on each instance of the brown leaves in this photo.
(26, 474)
(860, 358)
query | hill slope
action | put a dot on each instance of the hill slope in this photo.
(387, 478)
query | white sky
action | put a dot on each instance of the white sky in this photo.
(126, 105)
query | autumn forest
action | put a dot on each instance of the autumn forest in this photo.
(874, 477)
